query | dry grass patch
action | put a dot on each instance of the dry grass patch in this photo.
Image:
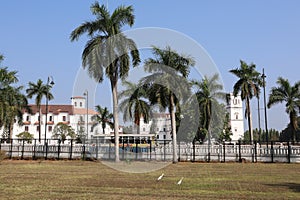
(93, 180)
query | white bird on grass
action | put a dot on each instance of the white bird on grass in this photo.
(180, 181)
(160, 177)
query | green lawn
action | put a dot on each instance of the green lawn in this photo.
(93, 180)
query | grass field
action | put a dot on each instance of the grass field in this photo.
(93, 180)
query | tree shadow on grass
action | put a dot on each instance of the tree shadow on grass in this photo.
(295, 187)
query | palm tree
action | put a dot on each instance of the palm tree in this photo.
(15, 103)
(134, 104)
(208, 91)
(169, 72)
(39, 90)
(289, 94)
(108, 50)
(12, 101)
(249, 86)
(103, 117)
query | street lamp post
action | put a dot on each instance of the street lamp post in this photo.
(86, 93)
(266, 121)
(50, 83)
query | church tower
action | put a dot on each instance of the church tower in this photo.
(235, 110)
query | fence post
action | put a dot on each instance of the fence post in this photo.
(240, 155)
(46, 149)
(289, 152)
(123, 148)
(255, 151)
(224, 154)
(109, 147)
(11, 141)
(150, 143)
(71, 150)
(164, 149)
(272, 152)
(194, 151)
(179, 152)
(58, 148)
(34, 149)
(136, 149)
(22, 153)
(97, 148)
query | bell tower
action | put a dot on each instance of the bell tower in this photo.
(235, 110)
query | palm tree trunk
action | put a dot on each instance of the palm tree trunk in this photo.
(249, 120)
(39, 107)
(293, 122)
(173, 124)
(116, 119)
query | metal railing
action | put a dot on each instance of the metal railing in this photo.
(159, 150)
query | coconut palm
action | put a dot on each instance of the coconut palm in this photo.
(14, 104)
(248, 86)
(208, 92)
(39, 90)
(134, 104)
(169, 72)
(290, 95)
(107, 51)
(103, 117)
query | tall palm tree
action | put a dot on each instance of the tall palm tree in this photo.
(15, 102)
(289, 94)
(103, 117)
(167, 68)
(248, 86)
(107, 50)
(39, 90)
(134, 104)
(208, 92)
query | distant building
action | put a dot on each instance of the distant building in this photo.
(235, 109)
(74, 115)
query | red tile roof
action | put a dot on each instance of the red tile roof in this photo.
(55, 109)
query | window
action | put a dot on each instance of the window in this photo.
(26, 128)
(49, 128)
(64, 118)
(164, 137)
(144, 129)
(75, 104)
(164, 129)
(27, 118)
(157, 137)
(236, 115)
(50, 119)
(80, 104)
(37, 128)
(38, 118)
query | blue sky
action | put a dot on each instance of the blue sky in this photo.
(34, 39)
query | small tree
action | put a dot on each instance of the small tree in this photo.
(26, 136)
(226, 132)
(62, 131)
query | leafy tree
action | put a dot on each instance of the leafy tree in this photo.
(62, 131)
(26, 136)
(248, 85)
(169, 72)
(104, 117)
(39, 90)
(134, 104)
(290, 95)
(107, 51)
(226, 132)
